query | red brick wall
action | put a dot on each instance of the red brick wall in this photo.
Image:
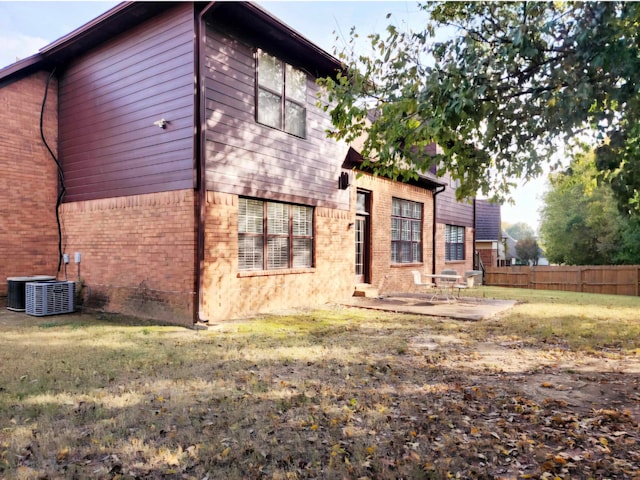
(461, 266)
(385, 276)
(228, 293)
(28, 180)
(138, 253)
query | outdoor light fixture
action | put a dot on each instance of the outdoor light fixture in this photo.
(162, 123)
(343, 181)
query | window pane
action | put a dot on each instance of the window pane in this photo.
(302, 249)
(269, 109)
(406, 252)
(296, 84)
(406, 209)
(295, 118)
(395, 229)
(250, 213)
(250, 253)
(395, 209)
(406, 230)
(361, 202)
(270, 72)
(417, 210)
(415, 252)
(394, 252)
(278, 252)
(277, 219)
(302, 221)
(415, 231)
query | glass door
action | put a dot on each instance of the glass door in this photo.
(363, 242)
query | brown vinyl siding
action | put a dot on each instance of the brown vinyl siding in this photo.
(109, 99)
(247, 158)
(451, 212)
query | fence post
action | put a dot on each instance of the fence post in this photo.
(580, 280)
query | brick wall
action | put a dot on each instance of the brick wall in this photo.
(228, 293)
(385, 276)
(138, 253)
(28, 180)
(461, 266)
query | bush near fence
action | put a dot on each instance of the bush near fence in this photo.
(607, 279)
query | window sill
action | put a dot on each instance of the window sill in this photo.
(455, 261)
(270, 273)
(404, 265)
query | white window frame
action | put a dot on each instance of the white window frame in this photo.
(291, 96)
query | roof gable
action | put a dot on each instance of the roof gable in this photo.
(254, 21)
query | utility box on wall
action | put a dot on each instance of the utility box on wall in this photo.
(50, 298)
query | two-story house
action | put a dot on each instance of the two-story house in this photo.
(178, 147)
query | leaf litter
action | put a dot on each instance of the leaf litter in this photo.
(367, 396)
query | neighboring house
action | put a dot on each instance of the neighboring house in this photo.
(489, 236)
(510, 253)
(200, 185)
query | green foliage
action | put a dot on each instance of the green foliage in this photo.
(519, 230)
(527, 250)
(516, 82)
(581, 224)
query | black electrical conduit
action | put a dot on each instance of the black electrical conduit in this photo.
(62, 189)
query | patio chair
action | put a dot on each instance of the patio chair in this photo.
(417, 281)
(454, 284)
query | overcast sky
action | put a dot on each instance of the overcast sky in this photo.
(26, 27)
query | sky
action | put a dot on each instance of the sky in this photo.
(28, 26)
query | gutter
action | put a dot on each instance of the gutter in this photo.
(475, 239)
(200, 177)
(436, 192)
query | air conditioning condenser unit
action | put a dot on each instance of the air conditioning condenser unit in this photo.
(49, 298)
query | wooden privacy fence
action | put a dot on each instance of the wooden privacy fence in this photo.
(609, 279)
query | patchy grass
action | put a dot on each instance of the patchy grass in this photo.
(576, 320)
(339, 393)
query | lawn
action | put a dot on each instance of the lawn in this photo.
(549, 389)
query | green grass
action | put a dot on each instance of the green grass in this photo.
(336, 393)
(577, 320)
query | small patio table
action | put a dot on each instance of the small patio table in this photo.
(446, 282)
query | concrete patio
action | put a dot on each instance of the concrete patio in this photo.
(463, 308)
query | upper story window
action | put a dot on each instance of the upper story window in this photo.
(454, 243)
(406, 231)
(274, 235)
(282, 95)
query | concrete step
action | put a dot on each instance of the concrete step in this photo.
(365, 290)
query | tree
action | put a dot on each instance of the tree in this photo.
(527, 250)
(519, 230)
(580, 223)
(516, 82)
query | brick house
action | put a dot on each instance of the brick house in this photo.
(198, 181)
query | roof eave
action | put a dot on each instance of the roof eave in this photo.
(295, 35)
